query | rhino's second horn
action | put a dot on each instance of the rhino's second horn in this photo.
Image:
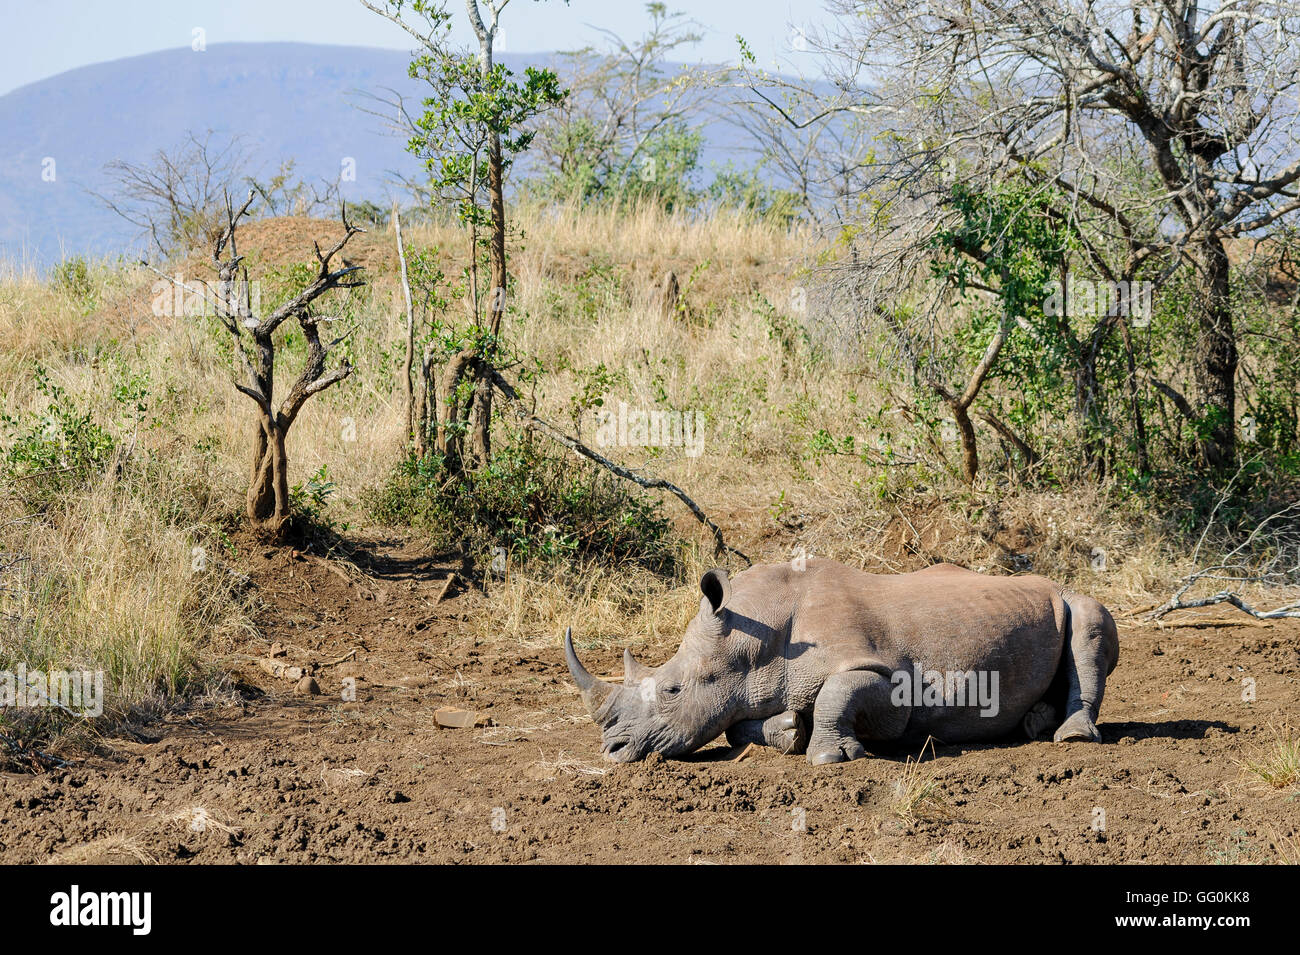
(634, 671)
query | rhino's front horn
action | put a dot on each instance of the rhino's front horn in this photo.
(594, 692)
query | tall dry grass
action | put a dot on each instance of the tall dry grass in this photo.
(108, 584)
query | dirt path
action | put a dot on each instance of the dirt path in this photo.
(288, 778)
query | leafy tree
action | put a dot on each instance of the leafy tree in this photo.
(475, 122)
(629, 130)
(1066, 95)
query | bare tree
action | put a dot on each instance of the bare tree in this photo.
(804, 133)
(408, 393)
(268, 505)
(175, 198)
(621, 101)
(285, 194)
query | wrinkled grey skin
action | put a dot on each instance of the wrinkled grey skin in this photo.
(805, 660)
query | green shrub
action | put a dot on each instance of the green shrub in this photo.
(536, 505)
(46, 455)
(72, 277)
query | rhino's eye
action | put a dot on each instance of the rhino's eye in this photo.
(671, 689)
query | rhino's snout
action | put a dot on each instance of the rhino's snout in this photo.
(600, 699)
(620, 740)
(633, 730)
(630, 748)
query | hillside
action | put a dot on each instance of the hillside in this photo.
(285, 100)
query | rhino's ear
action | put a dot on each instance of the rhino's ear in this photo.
(716, 589)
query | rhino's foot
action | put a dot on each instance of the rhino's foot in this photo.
(851, 702)
(786, 732)
(835, 750)
(1079, 728)
(1042, 716)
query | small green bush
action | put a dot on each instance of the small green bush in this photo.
(47, 455)
(536, 505)
(72, 277)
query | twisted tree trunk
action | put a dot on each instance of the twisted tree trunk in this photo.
(267, 503)
(268, 482)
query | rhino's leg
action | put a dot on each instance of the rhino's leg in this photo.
(1091, 652)
(786, 731)
(849, 704)
(1041, 716)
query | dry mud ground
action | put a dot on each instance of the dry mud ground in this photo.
(276, 777)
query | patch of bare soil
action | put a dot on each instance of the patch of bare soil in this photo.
(287, 240)
(287, 776)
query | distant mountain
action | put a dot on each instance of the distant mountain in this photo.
(285, 100)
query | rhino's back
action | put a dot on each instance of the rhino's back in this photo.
(943, 619)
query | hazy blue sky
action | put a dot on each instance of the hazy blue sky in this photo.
(45, 37)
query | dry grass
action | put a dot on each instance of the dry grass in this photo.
(1277, 762)
(108, 585)
(116, 849)
(917, 792)
(129, 847)
(201, 820)
(107, 576)
(565, 765)
(947, 853)
(605, 606)
(1288, 849)
(38, 320)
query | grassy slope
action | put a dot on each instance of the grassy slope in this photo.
(109, 577)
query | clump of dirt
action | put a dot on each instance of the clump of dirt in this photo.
(148, 299)
(286, 240)
(362, 773)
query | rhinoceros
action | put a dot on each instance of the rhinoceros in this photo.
(815, 657)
